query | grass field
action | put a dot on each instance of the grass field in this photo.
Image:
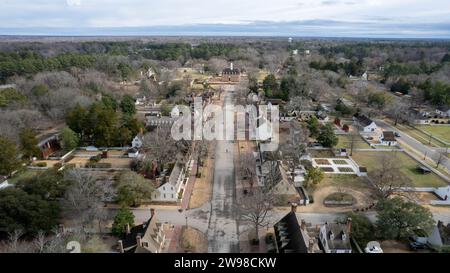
(189, 72)
(408, 168)
(23, 174)
(419, 136)
(345, 141)
(441, 132)
(261, 75)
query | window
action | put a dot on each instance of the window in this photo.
(172, 195)
(164, 195)
(164, 188)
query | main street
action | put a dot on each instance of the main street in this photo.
(222, 226)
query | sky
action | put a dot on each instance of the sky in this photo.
(296, 18)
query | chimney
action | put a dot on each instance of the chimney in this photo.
(349, 225)
(152, 212)
(61, 229)
(128, 228)
(120, 246)
(231, 66)
(311, 246)
(138, 240)
(303, 225)
(294, 207)
(331, 235)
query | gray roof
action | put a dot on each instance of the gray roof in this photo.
(363, 120)
(176, 171)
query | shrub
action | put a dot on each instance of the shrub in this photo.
(40, 164)
(254, 241)
(269, 238)
(95, 159)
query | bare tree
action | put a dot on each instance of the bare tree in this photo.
(248, 167)
(84, 197)
(40, 241)
(13, 244)
(161, 147)
(442, 158)
(398, 111)
(272, 174)
(388, 178)
(294, 148)
(255, 209)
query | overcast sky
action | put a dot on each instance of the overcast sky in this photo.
(365, 18)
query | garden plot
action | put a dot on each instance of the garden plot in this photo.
(335, 165)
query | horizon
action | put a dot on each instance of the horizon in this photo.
(288, 18)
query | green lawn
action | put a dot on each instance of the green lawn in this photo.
(441, 132)
(262, 74)
(346, 181)
(23, 174)
(346, 140)
(349, 181)
(408, 168)
(419, 136)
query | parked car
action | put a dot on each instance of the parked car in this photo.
(397, 134)
(415, 245)
(373, 247)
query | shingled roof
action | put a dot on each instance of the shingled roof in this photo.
(288, 235)
(363, 120)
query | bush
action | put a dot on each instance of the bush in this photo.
(40, 164)
(254, 241)
(95, 159)
(269, 238)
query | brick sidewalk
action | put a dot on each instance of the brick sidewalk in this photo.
(174, 236)
(244, 243)
(190, 186)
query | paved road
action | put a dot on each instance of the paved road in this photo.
(413, 143)
(222, 227)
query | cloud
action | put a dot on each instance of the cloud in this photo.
(72, 3)
(329, 2)
(339, 17)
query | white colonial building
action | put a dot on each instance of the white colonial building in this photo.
(136, 142)
(366, 124)
(173, 189)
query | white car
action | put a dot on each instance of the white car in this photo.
(373, 247)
